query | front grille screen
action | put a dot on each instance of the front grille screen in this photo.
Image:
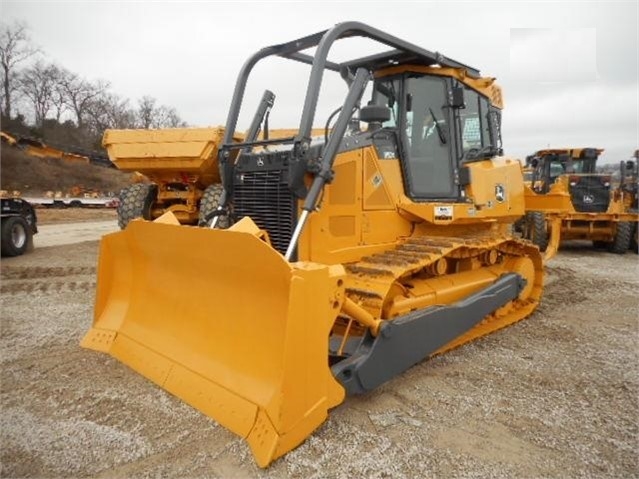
(590, 195)
(265, 197)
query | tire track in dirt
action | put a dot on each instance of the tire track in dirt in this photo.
(37, 272)
(46, 279)
(46, 287)
(564, 286)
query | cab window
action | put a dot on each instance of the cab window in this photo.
(475, 121)
(429, 164)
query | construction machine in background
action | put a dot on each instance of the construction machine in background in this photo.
(629, 186)
(567, 200)
(180, 172)
(349, 258)
(175, 169)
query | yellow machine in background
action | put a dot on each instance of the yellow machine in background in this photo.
(181, 167)
(629, 189)
(40, 149)
(568, 200)
(347, 261)
(175, 169)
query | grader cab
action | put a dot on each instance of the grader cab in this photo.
(349, 258)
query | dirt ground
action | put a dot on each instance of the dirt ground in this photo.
(51, 216)
(555, 395)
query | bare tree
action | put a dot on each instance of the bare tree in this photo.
(151, 116)
(59, 102)
(109, 111)
(79, 93)
(15, 48)
(38, 83)
(146, 112)
(167, 117)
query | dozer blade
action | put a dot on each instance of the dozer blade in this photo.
(221, 320)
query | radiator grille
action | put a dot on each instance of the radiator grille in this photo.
(266, 199)
(590, 195)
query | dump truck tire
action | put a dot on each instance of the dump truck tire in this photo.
(209, 203)
(623, 237)
(634, 240)
(135, 202)
(16, 236)
(536, 230)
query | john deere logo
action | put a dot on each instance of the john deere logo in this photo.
(589, 199)
(500, 193)
(260, 162)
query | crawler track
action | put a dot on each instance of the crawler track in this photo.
(373, 281)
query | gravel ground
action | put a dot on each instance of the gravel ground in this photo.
(48, 216)
(553, 396)
(69, 233)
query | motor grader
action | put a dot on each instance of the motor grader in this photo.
(350, 257)
(567, 200)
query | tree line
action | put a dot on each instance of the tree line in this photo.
(47, 100)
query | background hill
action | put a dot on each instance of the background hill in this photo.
(34, 176)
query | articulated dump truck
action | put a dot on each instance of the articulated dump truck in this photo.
(180, 165)
(348, 259)
(177, 168)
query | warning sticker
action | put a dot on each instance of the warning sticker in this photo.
(376, 180)
(443, 212)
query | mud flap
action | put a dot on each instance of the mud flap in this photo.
(221, 320)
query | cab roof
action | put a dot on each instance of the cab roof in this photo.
(572, 152)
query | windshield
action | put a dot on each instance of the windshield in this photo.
(583, 166)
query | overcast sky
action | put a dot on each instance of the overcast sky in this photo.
(569, 70)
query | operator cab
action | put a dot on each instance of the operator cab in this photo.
(440, 123)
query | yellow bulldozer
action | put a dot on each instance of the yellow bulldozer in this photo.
(348, 259)
(567, 199)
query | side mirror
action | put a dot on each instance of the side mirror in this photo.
(457, 99)
(534, 162)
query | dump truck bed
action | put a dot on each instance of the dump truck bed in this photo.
(168, 153)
